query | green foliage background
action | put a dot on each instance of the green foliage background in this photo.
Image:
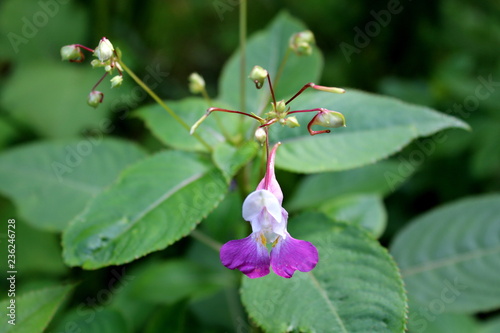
(431, 202)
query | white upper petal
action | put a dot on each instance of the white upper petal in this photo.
(256, 201)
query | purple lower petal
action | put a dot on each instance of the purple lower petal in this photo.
(248, 255)
(292, 254)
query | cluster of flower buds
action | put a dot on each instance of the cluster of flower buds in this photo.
(107, 57)
(280, 111)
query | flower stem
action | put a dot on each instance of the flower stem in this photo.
(282, 66)
(243, 34)
(162, 104)
(199, 236)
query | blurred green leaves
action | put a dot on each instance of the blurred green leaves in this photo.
(35, 309)
(456, 264)
(39, 177)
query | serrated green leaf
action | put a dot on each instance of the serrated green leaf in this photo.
(377, 127)
(153, 204)
(96, 320)
(171, 133)
(450, 256)
(38, 177)
(230, 159)
(364, 210)
(355, 287)
(34, 309)
(314, 190)
(268, 49)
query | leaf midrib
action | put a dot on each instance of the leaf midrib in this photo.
(449, 261)
(330, 305)
(133, 221)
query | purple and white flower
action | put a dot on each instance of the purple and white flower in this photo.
(262, 208)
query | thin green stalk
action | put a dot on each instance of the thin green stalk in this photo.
(243, 41)
(162, 104)
(206, 240)
(219, 122)
(282, 67)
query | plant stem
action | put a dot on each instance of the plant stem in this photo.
(162, 104)
(243, 34)
(281, 67)
(206, 240)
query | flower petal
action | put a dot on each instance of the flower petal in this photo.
(291, 254)
(256, 202)
(249, 255)
(272, 184)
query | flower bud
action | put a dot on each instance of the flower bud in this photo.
(95, 98)
(301, 42)
(330, 119)
(116, 81)
(258, 75)
(292, 122)
(96, 63)
(280, 106)
(71, 53)
(196, 83)
(326, 118)
(260, 135)
(329, 89)
(104, 51)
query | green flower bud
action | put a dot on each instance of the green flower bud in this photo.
(260, 135)
(71, 53)
(196, 83)
(292, 122)
(329, 89)
(326, 118)
(330, 119)
(96, 63)
(116, 81)
(258, 75)
(301, 42)
(280, 106)
(95, 98)
(104, 51)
